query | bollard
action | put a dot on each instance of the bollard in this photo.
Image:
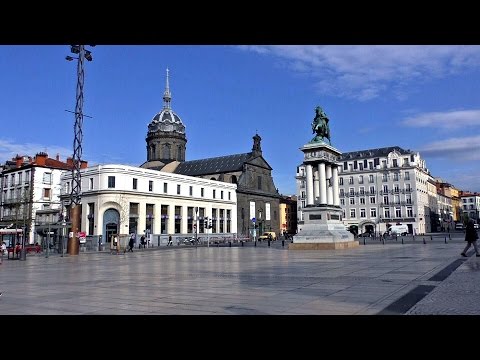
(402, 240)
(255, 243)
(242, 242)
(383, 240)
(424, 241)
(396, 237)
(283, 243)
(268, 242)
(229, 244)
(364, 239)
(431, 238)
(158, 240)
(445, 239)
(449, 237)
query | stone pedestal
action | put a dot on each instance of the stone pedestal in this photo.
(322, 226)
(322, 230)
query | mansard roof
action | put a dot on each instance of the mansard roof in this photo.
(371, 153)
(216, 165)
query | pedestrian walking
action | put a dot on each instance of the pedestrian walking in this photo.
(131, 242)
(3, 250)
(471, 237)
(142, 242)
(170, 243)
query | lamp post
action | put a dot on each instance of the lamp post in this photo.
(73, 245)
(260, 230)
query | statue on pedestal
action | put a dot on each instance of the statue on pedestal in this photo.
(320, 126)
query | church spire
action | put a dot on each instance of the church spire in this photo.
(167, 97)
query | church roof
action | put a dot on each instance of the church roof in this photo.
(221, 164)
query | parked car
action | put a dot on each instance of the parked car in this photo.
(458, 226)
(476, 226)
(400, 229)
(266, 235)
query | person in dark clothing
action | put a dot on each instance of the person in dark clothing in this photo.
(142, 242)
(131, 243)
(471, 237)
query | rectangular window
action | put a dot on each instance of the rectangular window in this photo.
(385, 188)
(202, 192)
(178, 219)
(360, 166)
(342, 202)
(135, 184)
(386, 213)
(165, 188)
(229, 220)
(407, 187)
(396, 188)
(370, 165)
(341, 181)
(352, 213)
(164, 219)
(362, 201)
(149, 219)
(363, 213)
(27, 176)
(395, 176)
(259, 180)
(409, 211)
(395, 163)
(91, 218)
(372, 199)
(47, 178)
(178, 189)
(229, 197)
(360, 179)
(370, 179)
(362, 191)
(372, 190)
(350, 180)
(373, 213)
(214, 221)
(111, 182)
(222, 220)
(190, 220)
(384, 177)
(150, 185)
(398, 212)
(19, 178)
(221, 197)
(407, 175)
(214, 193)
(385, 200)
(352, 201)
(384, 164)
(342, 192)
(405, 161)
(46, 193)
(190, 190)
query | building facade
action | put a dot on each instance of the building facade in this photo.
(121, 200)
(470, 206)
(379, 188)
(30, 196)
(288, 214)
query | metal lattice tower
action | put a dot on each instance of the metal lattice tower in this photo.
(77, 142)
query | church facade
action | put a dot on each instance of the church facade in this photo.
(257, 197)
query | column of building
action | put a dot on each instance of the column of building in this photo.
(318, 187)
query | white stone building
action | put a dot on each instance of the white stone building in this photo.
(122, 199)
(470, 206)
(379, 187)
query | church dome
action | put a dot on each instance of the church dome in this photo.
(167, 121)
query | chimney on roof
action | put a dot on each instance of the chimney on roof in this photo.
(57, 157)
(18, 161)
(70, 162)
(83, 164)
(41, 158)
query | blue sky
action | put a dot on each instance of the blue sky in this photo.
(423, 98)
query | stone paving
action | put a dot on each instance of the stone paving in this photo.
(367, 280)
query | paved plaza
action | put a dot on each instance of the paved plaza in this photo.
(391, 278)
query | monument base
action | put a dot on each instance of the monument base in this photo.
(323, 230)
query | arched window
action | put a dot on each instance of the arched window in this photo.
(166, 151)
(213, 178)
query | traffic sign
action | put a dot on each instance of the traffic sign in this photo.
(254, 220)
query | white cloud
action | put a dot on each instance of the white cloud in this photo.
(9, 150)
(457, 149)
(364, 72)
(445, 120)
